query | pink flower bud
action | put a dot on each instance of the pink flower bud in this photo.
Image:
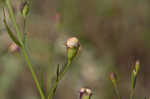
(13, 47)
(73, 46)
(113, 76)
(72, 42)
(85, 93)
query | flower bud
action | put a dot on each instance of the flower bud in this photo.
(72, 47)
(135, 73)
(137, 66)
(13, 47)
(57, 17)
(85, 93)
(113, 76)
(25, 8)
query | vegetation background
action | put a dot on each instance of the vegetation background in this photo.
(113, 34)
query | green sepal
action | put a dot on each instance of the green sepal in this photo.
(86, 96)
(72, 52)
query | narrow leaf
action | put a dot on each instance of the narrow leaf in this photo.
(10, 33)
(42, 80)
(57, 72)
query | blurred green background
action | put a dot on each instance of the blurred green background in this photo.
(113, 34)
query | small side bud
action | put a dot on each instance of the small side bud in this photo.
(25, 9)
(13, 48)
(137, 66)
(73, 46)
(57, 17)
(113, 76)
(85, 93)
(135, 73)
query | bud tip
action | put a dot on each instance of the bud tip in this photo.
(85, 91)
(72, 42)
(13, 47)
(113, 76)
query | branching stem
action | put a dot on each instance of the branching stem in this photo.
(19, 35)
(52, 92)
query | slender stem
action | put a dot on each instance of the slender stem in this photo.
(33, 72)
(24, 31)
(133, 80)
(117, 91)
(132, 94)
(24, 49)
(65, 70)
(12, 16)
(133, 86)
(42, 81)
(52, 92)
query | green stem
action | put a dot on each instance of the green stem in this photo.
(12, 16)
(133, 80)
(52, 92)
(24, 49)
(116, 89)
(24, 31)
(33, 73)
(132, 94)
(65, 70)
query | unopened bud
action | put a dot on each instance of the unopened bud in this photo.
(72, 42)
(57, 17)
(113, 76)
(73, 46)
(13, 47)
(25, 9)
(135, 73)
(85, 93)
(137, 66)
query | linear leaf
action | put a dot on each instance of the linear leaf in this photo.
(10, 33)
